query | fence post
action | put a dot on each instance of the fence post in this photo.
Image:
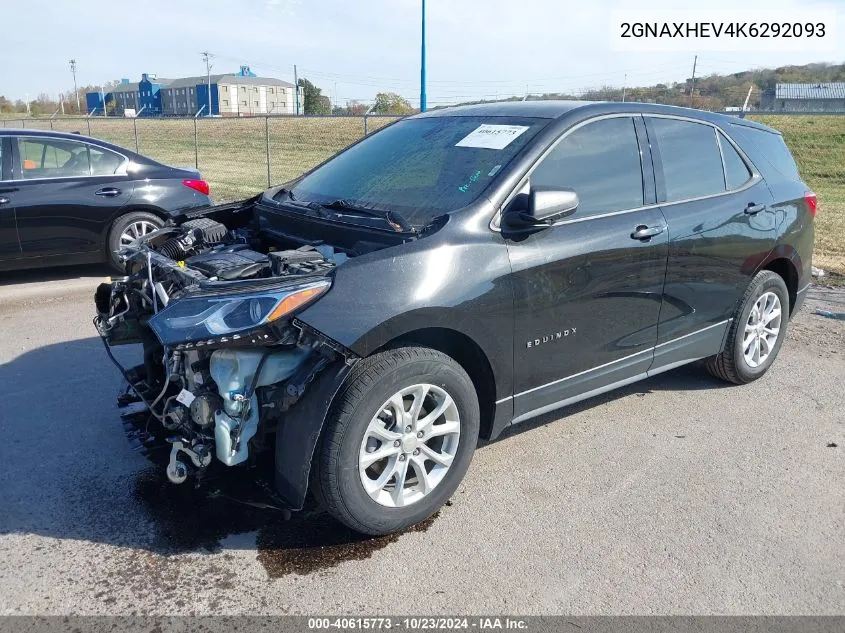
(23, 124)
(365, 125)
(88, 121)
(196, 146)
(51, 124)
(135, 126)
(267, 146)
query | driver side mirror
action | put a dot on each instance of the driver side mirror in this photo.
(547, 204)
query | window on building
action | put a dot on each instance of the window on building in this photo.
(601, 163)
(255, 89)
(270, 90)
(225, 102)
(692, 166)
(243, 103)
(224, 88)
(256, 104)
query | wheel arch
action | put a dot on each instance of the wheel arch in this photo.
(469, 355)
(786, 269)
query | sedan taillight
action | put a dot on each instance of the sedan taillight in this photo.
(812, 202)
(197, 185)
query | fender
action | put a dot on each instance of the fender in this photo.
(297, 435)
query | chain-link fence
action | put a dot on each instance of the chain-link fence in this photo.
(241, 156)
(237, 156)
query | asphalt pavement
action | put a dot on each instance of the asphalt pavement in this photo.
(678, 495)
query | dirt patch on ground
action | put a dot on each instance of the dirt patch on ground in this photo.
(820, 325)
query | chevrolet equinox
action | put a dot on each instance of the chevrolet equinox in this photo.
(453, 274)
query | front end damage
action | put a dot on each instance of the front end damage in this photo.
(227, 367)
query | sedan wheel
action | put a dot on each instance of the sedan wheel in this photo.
(135, 230)
(409, 445)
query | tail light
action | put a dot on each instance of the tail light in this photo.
(197, 185)
(812, 202)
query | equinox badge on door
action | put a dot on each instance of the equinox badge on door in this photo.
(548, 338)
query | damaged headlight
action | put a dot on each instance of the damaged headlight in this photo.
(210, 317)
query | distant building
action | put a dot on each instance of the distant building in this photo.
(817, 97)
(237, 94)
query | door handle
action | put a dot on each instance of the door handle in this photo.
(643, 232)
(108, 192)
(754, 209)
(4, 200)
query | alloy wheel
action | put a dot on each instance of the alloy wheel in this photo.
(135, 230)
(409, 445)
(762, 329)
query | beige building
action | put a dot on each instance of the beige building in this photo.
(232, 95)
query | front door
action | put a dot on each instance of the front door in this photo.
(68, 193)
(587, 291)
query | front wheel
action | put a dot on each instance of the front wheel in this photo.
(126, 229)
(756, 332)
(398, 441)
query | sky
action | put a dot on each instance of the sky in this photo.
(355, 48)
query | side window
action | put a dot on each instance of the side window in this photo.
(104, 162)
(692, 166)
(52, 158)
(736, 171)
(601, 163)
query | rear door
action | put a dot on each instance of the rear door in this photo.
(587, 291)
(721, 228)
(68, 194)
(9, 244)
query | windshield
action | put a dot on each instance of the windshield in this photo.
(421, 168)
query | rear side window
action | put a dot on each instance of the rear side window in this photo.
(52, 158)
(692, 164)
(104, 162)
(736, 171)
(767, 151)
(601, 163)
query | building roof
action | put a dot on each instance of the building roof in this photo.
(190, 82)
(810, 91)
(131, 87)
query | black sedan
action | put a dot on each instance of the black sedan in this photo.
(71, 199)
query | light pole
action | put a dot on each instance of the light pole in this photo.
(75, 89)
(422, 64)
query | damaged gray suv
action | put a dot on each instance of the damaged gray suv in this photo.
(455, 273)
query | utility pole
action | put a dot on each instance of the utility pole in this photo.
(624, 86)
(422, 63)
(295, 90)
(692, 87)
(75, 89)
(206, 56)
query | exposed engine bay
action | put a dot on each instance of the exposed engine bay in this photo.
(211, 298)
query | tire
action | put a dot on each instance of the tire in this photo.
(122, 224)
(363, 405)
(732, 364)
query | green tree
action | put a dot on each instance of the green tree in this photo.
(392, 103)
(314, 102)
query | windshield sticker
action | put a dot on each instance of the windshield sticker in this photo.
(494, 171)
(465, 187)
(488, 136)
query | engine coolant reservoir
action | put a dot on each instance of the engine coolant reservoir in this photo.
(233, 371)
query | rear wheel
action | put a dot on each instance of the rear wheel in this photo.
(756, 332)
(398, 441)
(126, 229)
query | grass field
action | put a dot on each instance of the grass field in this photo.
(232, 154)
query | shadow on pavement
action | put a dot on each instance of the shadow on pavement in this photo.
(72, 475)
(54, 274)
